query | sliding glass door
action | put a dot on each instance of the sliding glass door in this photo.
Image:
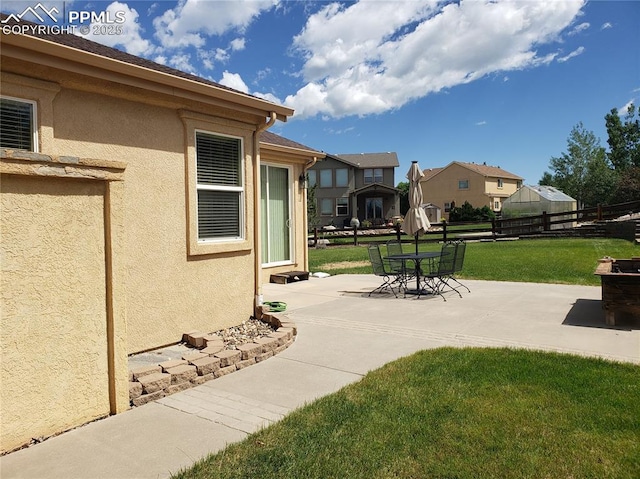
(275, 214)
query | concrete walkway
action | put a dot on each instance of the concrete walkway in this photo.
(342, 334)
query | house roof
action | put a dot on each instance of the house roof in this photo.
(371, 160)
(269, 138)
(80, 50)
(482, 169)
(550, 193)
(430, 173)
(376, 187)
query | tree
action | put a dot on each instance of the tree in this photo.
(313, 219)
(467, 212)
(546, 180)
(628, 186)
(601, 182)
(403, 186)
(624, 138)
(572, 169)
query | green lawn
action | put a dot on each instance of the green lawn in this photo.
(456, 413)
(563, 260)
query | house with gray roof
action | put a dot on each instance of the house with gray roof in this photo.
(358, 186)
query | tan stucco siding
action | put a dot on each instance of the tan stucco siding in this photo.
(443, 188)
(168, 292)
(54, 325)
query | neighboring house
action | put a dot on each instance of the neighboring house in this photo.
(355, 186)
(134, 201)
(480, 185)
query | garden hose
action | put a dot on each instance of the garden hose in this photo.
(276, 306)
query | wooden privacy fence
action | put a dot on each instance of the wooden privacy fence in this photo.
(565, 223)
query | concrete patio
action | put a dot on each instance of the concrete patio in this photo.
(342, 334)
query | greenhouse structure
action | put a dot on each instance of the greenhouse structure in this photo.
(538, 199)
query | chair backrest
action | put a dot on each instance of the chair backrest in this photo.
(395, 247)
(447, 259)
(376, 260)
(461, 247)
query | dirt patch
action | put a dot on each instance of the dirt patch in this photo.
(345, 264)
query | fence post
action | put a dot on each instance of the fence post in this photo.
(493, 228)
(355, 235)
(599, 211)
(398, 231)
(444, 231)
(315, 236)
(545, 221)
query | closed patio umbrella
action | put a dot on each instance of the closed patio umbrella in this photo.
(415, 221)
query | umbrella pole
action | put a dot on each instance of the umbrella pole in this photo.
(416, 243)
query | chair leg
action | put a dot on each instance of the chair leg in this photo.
(387, 284)
(462, 285)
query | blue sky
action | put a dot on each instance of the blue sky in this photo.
(475, 81)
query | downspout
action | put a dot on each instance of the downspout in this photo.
(305, 168)
(257, 238)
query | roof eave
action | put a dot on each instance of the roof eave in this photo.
(290, 149)
(18, 45)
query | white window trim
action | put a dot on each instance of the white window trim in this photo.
(34, 119)
(292, 229)
(240, 189)
(346, 205)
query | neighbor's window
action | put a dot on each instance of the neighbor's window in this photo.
(326, 178)
(342, 177)
(18, 124)
(326, 206)
(373, 175)
(463, 184)
(447, 207)
(219, 187)
(500, 183)
(342, 206)
(496, 205)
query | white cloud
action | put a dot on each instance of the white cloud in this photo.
(182, 61)
(186, 24)
(575, 53)
(370, 57)
(268, 96)
(481, 123)
(579, 28)
(606, 26)
(622, 111)
(131, 36)
(237, 44)
(233, 80)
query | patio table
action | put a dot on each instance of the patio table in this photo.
(417, 258)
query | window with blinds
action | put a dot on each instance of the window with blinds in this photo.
(17, 124)
(219, 185)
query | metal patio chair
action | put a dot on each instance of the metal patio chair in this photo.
(436, 279)
(383, 269)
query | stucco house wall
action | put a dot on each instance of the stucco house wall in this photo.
(108, 203)
(53, 305)
(486, 186)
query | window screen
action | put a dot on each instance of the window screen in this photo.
(16, 125)
(219, 183)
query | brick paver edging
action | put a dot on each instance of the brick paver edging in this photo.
(149, 383)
